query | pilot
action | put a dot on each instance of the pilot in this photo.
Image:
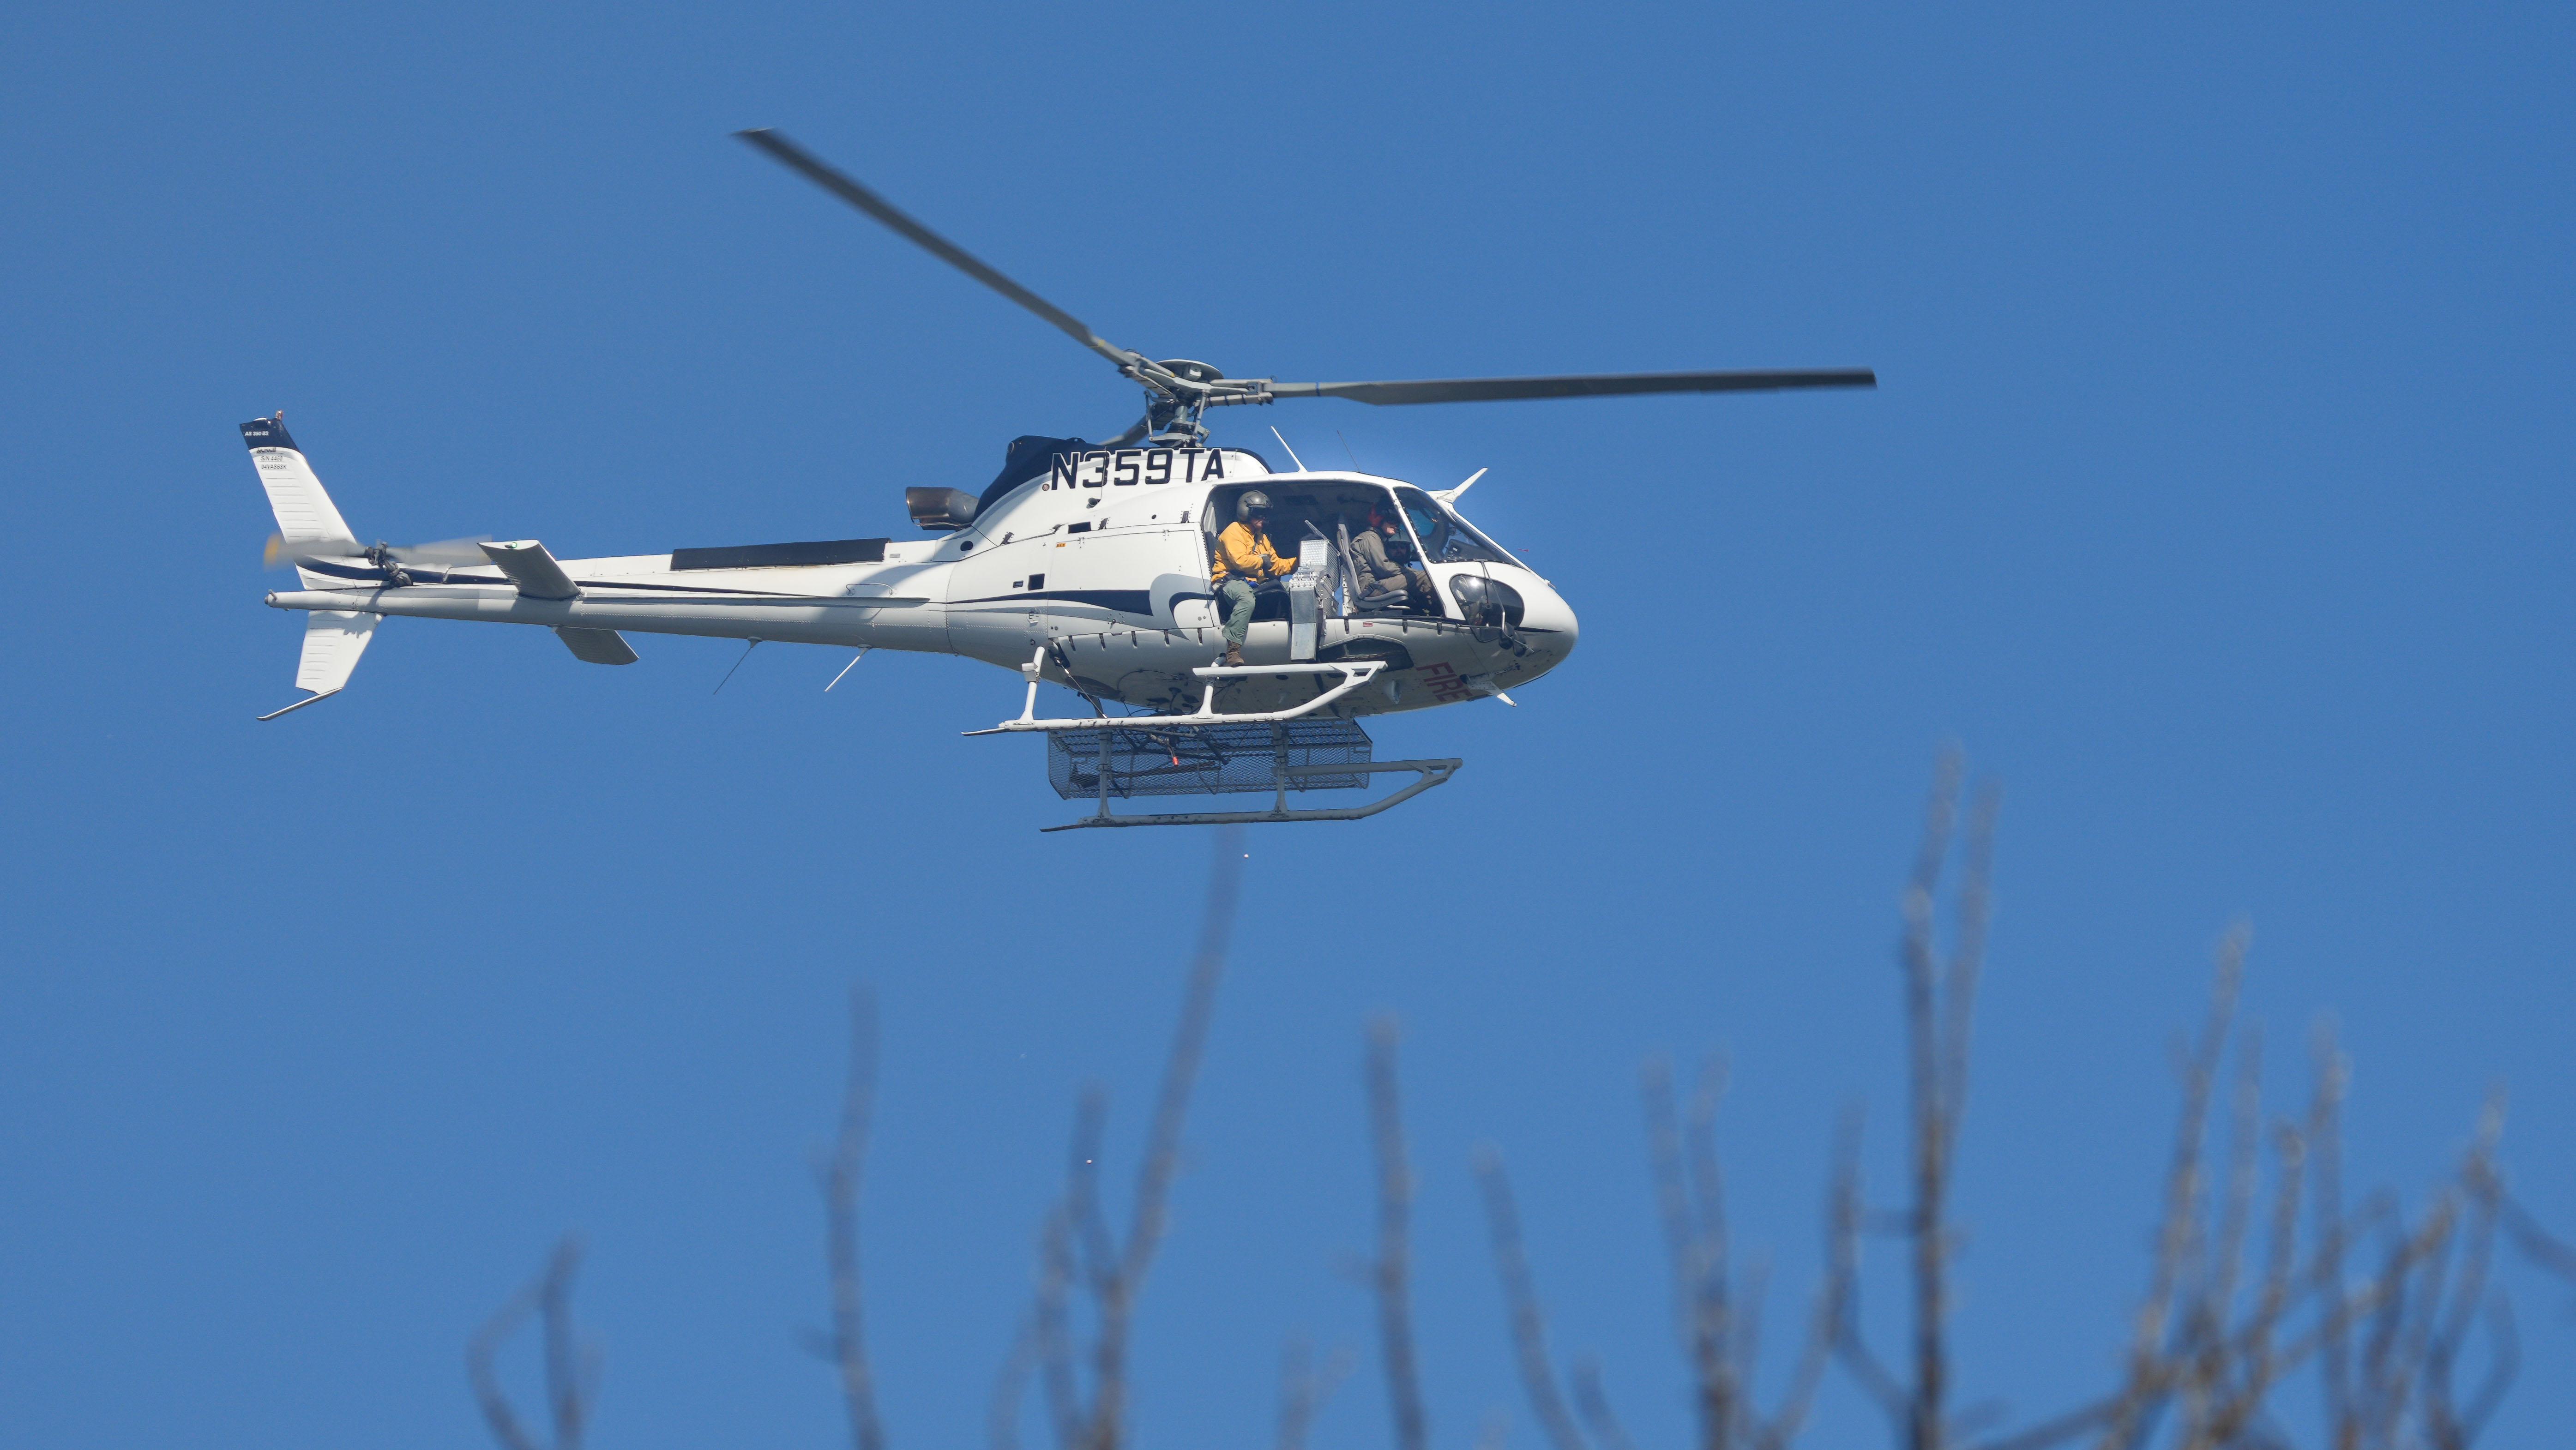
(1244, 558)
(1379, 574)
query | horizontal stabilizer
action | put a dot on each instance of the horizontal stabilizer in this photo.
(333, 640)
(534, 571)
(598, 646)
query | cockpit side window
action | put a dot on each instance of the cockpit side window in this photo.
(1447, 538)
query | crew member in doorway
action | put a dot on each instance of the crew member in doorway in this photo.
(1244, 558)
(1372, 551)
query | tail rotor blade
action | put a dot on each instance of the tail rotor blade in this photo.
(449, 552)
(278, 553)
(444, 553)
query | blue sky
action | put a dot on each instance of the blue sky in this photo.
(2216, 499)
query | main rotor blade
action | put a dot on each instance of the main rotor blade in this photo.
(798, 158)
(1594, 385)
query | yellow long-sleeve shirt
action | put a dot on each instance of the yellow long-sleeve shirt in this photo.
(1242, 553)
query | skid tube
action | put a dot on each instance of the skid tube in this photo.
(1433, 772)
(1354, 673)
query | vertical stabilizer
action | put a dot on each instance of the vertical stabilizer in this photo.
(307, 521)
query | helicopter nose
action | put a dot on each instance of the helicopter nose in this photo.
(1548, 623)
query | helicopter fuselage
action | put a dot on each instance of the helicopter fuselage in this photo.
(1101, 564)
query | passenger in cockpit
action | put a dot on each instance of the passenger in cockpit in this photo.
(1380, 576)
(1244, 557)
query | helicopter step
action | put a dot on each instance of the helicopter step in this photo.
(1145, 755)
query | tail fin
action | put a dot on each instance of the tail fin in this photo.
(307, 521)
(333, 640)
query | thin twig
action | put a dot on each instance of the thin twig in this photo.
(2175, 1235)
(1925, 1059)
(549, 1296)
(1724, 1357)
(1940, 1003)
(2325, 1138)
(1084, 1216)
(1053, 1331)
(1117, 1297)
(1842, 1277)
(1010, 1388)
(1390, 1275)
(842, 1182)
(1700, 1289)
(1595, 1407)
(1520, 1301)
(1303, 1389)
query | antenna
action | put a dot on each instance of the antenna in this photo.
(1450, 495)
(1292, 453)
(737, 664)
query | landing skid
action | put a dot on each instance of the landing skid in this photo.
(1111, 757)
(1354, 673)
(1433, 772)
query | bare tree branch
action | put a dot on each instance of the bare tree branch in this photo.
(1076, 1244)
(2176, 1234)
(1390, 1274)
(1940, 1003)
(568, 1374)
(1162, 1162)
(1700, 1302)
(1528, 1325)
(2213, 1338)
(1303, 1389)
(842, 1180)
(1595, 1407)
(1842, 1279)
(1010, 1388)
(1084, 1217)
(1926, 1059)
(2325, 1138)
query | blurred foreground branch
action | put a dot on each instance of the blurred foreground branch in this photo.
(842, 1176)
(2257, 1268)
(571, 1370)
(1078, 1249)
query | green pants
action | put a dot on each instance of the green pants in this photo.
(1236, 595)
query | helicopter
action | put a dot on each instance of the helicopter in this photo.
(1081, 564)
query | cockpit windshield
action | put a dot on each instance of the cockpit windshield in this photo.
(1447, 538)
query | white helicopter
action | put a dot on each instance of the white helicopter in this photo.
(1081, 564)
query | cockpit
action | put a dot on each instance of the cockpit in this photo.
(1369, 543)
(1442, 535)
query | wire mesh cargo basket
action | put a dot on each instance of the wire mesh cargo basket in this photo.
(1144, 759)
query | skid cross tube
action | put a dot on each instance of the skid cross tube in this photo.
(1354, 673)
